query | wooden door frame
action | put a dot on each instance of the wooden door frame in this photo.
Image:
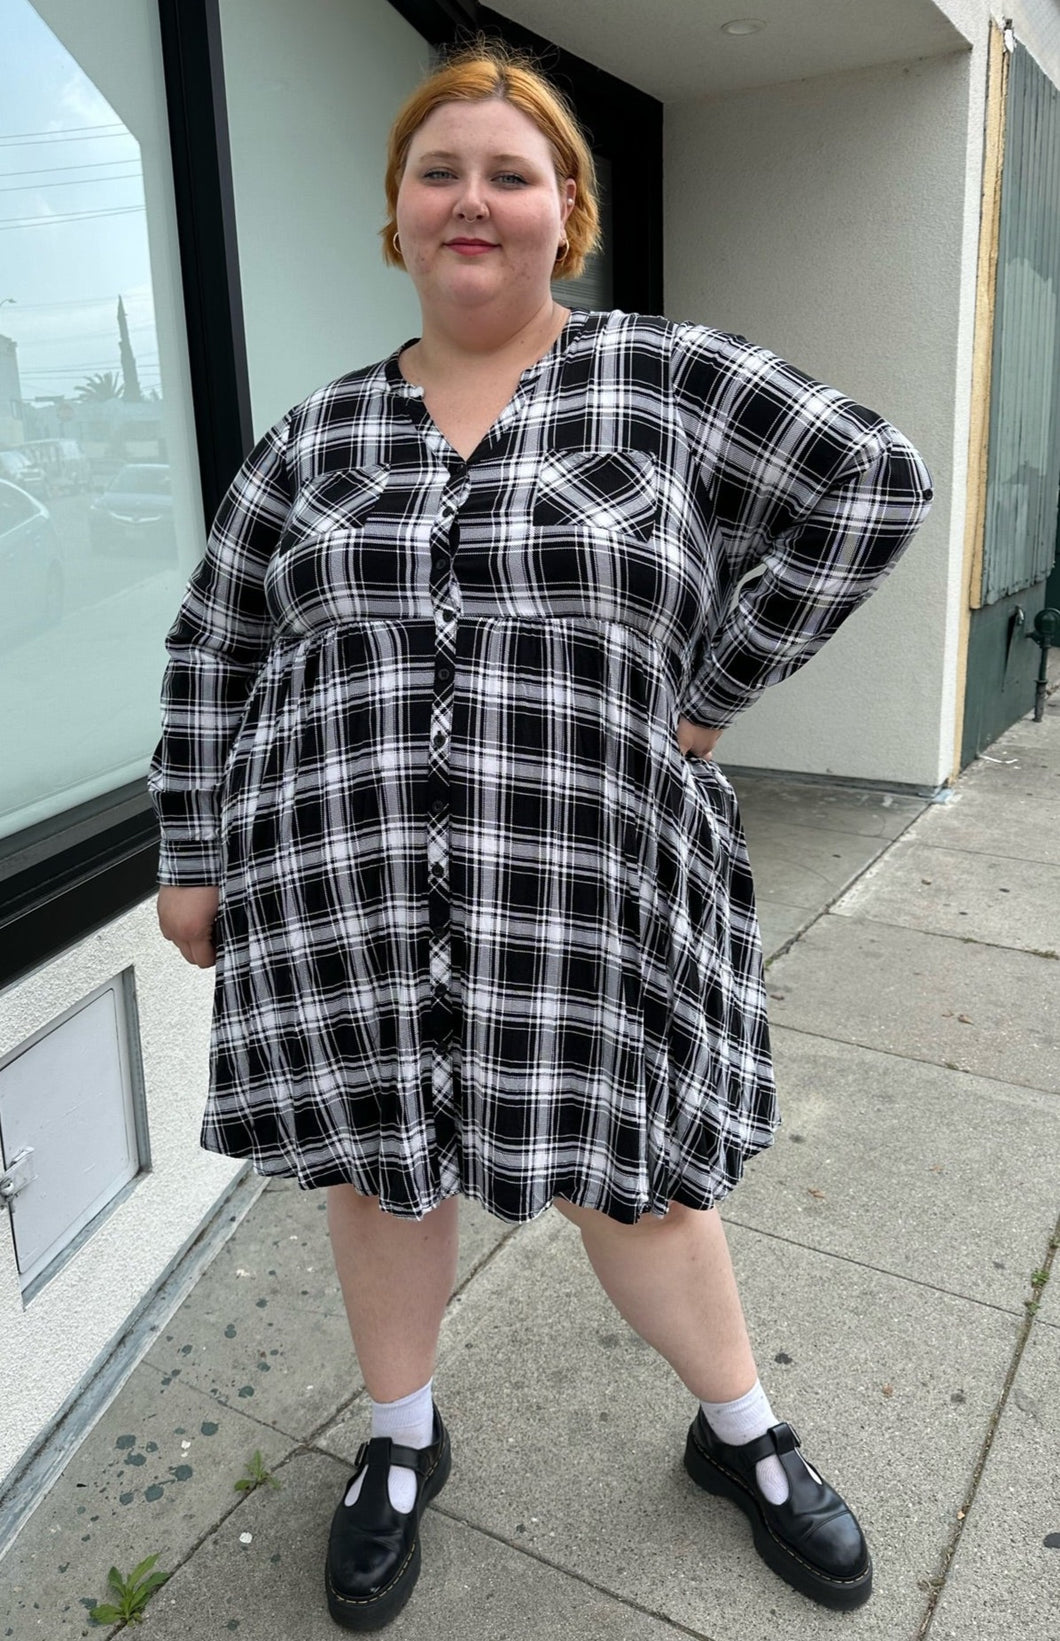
(982, 367)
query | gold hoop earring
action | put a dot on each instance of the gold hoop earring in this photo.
(561, 253)
(394, 242)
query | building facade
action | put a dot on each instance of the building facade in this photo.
(861, 196)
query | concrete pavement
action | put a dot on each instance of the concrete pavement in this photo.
(893, 1250)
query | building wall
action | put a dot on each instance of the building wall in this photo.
(1036, 24)
(51, 1343)
(829, 220)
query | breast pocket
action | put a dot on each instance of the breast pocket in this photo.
(602, 491)
(338, 500)
(326, 567)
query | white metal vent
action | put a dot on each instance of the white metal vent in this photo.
(73, 1130)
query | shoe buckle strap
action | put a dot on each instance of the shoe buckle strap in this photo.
(778, 1440)
(413, 1458)
(783, 1438)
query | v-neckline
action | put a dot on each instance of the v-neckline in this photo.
(412, 393)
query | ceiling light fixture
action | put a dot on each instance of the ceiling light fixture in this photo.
(743, 25)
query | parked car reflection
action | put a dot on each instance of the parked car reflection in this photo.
(31, 571)
(63, 463)
(19, 467)
(134, 515)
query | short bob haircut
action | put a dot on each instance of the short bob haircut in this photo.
(473, 74)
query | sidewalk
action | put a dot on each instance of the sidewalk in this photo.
(885, 1248)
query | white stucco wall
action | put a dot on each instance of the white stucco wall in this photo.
(1036, 24)
(50, 1343)
(832, 220)
(312, 90)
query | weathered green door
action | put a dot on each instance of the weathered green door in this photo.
(1023, 469)
(1052, 586)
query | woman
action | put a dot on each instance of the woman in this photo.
(438, 725)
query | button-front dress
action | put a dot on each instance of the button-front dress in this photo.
(483, 928)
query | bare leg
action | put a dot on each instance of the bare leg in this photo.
(672, 1280)
(396, 1277)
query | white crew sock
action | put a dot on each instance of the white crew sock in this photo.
(741, 1421)
(409, 1422)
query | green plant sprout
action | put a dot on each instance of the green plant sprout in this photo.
(256, 1476)
(133, 1594)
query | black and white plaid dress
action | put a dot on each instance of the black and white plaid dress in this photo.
(483, 928)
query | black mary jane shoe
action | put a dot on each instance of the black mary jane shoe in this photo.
(374, 1550)
(812, 1540)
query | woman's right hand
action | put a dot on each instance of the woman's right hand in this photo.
(186, 917)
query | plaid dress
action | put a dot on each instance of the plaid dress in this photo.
(483, 928)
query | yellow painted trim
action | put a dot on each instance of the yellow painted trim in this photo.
(982, 364)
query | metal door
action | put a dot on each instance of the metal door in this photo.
(1023, 463)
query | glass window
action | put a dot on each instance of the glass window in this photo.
(100, 511)
(311, 91)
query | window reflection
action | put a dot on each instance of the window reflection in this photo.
(97, 483)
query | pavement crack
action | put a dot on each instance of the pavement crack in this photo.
(916, 1059)
(938, 1582)
(938, 934)
(844, 889)
(990, 854)
(229, 1406)
(180, 1561)
(593, 1584)
(866, 1265)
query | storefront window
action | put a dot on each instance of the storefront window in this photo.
(311, 92)
(100, 511)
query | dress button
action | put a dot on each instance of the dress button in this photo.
(437, 805)
(439, 738)
(443, 673)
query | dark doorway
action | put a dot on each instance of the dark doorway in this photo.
(625, 129)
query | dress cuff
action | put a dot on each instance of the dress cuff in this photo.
(186, 864)
(713, 701)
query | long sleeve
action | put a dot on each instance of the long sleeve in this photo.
(816, 493)
(216, 648)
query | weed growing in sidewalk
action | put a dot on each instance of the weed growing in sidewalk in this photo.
(256, 1476)
(1038, 1280)
(133, 1594)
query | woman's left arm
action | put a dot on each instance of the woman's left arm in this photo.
(819, 494)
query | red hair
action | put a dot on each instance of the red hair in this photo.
(475, 74)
